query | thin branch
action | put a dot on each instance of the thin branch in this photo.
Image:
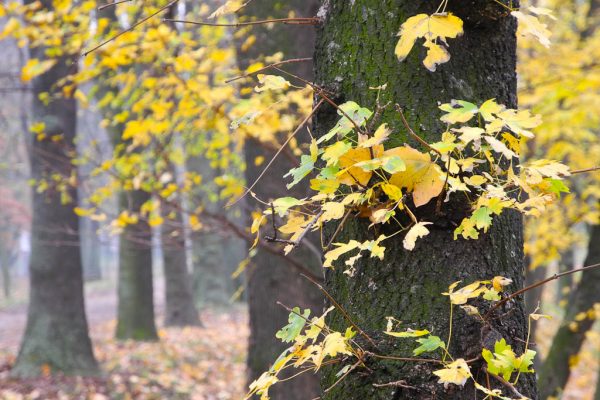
(413, 134)
(287, 21)
(342, 310)
(304, 122)
(583, 171)
(102, 7)
(352, 368)
(408, 359)
(296, 242)
(172, 3)
(538, 284)
(277, 64)
(504, 383)
(400, 383)
(337, 230)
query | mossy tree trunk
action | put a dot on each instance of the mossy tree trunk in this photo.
(268, 281)
(567, 342)
(56, 335)
(355, 51)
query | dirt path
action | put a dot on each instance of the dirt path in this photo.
(100, 304)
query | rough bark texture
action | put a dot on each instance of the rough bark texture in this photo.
(179, 300)
(57, 332)
(135, 312)
(355, 51)
(268, 279)
(555, 371)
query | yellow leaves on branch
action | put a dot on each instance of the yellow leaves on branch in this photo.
(455, 373)
(435, 29)
(417, 231)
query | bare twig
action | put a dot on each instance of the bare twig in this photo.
(287, 21)
(352, 368)
(337, 230)
(505, 383)
(400, 383)
(408, 359)
(583, 171)
(277, 64)
(304, 122)
(538, 284)
(140, 22)
(102, 7)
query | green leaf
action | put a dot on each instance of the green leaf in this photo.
(358, 114)
(296, 322)
(482, 218)
(458, 111)
(305, 168)
(283, 204)
(429, 344)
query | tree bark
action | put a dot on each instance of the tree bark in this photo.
(90, 250)
(56, 335)
(267, 280)
(355, 51)
(179, 300)
(567, 342)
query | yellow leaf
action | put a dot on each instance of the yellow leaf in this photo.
(35, 67)
(455, 373)
(531, 25)
(351, 175)
(271, 82)
(155, 220)
(332, 210)
(380, 136)
(436, 55)
(431, 28)
(423, 177)
(229, 7)
(418, 230)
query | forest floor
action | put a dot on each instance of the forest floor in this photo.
(191, 363)
(206, 363)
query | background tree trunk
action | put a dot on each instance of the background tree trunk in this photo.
(355, 51)
(267, 280)
(179, 301)
(56, 335)
(90, 250)
(567, 342)
(135, 312)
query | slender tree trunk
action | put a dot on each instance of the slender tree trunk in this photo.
(5, 266)
(267, 280)
(180, 309)
(568, 341)
(90, 250)
(135, 313)
(355, 51)
(56, 335)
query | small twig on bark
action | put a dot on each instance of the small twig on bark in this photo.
(296, 242)
(400, 383)
(337, 230)
(407, 359)
(413, 134)
(352, 368)
(342, 310)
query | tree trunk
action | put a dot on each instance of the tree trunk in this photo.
(567, 342)
(267, 280)
(179, 300)
(5, 267)
(90, 250)
(135, 312)
(355, 51)
(56, 335)
(211, 280)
